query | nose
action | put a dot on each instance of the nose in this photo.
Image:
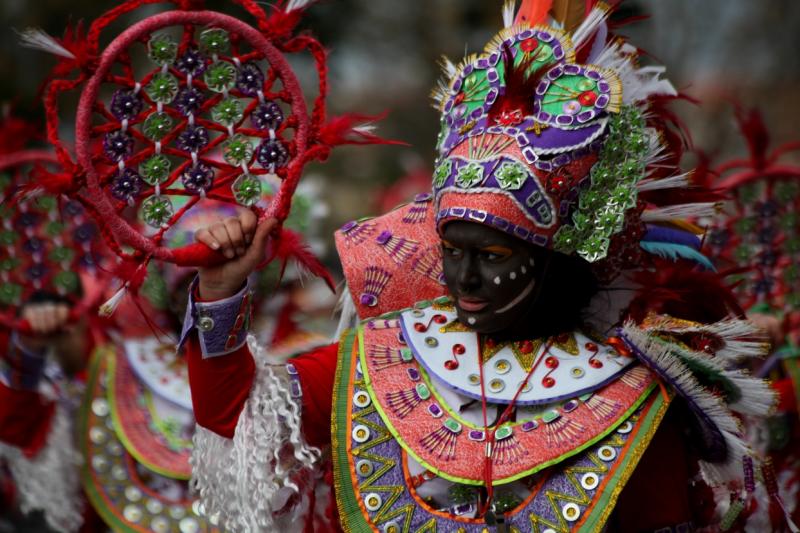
(468, 277)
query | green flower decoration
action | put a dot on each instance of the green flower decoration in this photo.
(788, 222)
(442, 172)
(748, 193)
(462, 494)
(228, 112)
(610, 220)
(10, 293)
(786, 191)
(61, 254)
(162, 50)
(591, 200)
(8, 237)
(469, 175)
(220, 76)
(566, 240)
(237, 150)
(68, 281)
(9, 263)
(214, 41)
(157, 126)
(54, 228)
(163, 88)
(155, 170)
(791, 273)
(623, 197)
(46, 202)
(793, 245)
(511, 175)
(247, 189)
(594, 248)
(745, 225)
(157, 210)
(743, 253)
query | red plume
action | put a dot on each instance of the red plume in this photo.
(352, 128)
(755, 133)
(520, 85)
(290, 245)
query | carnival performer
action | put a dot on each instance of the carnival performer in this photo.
(529, 348)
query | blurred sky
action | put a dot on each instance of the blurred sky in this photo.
(383, 56)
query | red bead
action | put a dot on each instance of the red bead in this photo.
(529, 45)
(551, 362)
(451, 364)
(440, 319)
(526, 347)
(420, 327)
(490, 343)
(592, 347)
(510, 118)
(561, 339)
(548, 382)
(459, 349)
(594, 363)
(459, 98)
(587, 98)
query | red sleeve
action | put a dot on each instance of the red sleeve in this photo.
(25, 418)
(316, 371)
(220, 386)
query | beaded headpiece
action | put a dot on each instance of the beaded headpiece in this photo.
(551, 134)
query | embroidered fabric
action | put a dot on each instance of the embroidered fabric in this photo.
(250, 480)
(49, 481)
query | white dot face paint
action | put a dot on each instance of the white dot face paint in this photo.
(530, 261)
(471, 321)
(497, 280)
(524, 270)
(513, 275)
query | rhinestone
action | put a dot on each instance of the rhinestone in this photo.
(474, 379)
(99, 463)
(417, 313)
(525, 387)
(189, 525)
(133, 494)
(100, 407)
(97, 435)
(571, 511)
(205, 323)
(361, 399)
(373, 501)
(590, 480)
(625, 428)
(577, 372)
(364, 468)
(159, 524)
(431, 342)
(119, 473)
(391, 527)
(361, 433)
(496, 385)
(132, 513)
(607, 453)
(114, 448)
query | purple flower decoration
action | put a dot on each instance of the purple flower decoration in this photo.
(193, 138)
(189, 100)
(197, 178)
(267, 116)
(272, 153)
(36, 271)
(126, 185)
(125, 104)
(33, 245)
(73, 208)
(191, 62)
(27, 220)
(85, 232)
(250, 79)
(118, 145)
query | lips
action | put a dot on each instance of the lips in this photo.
(472, 305)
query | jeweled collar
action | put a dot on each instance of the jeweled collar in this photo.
(563, 367)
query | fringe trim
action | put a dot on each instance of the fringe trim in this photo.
(249, 480)
(348, 315)
(50, 481)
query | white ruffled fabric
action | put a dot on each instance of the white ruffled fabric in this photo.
(49, 481)
(249, 481)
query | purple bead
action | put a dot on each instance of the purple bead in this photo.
(197, 178)
(87, 261)
(250, 79)
(189, 100)
(349, 226)
(271, 153)
(413, 374)
(193, 138)
(36, 271)
(125, 104)
(27, 220)
(570, 406)
(384, 237)
(127, 184)
(33, 245)
(476, 434)
(423, 197)
(84, 233)
(118, 145)
(73, 208)
(435, 410)
(530, 425)
(267, 116)
(191, 62)
(368, 299)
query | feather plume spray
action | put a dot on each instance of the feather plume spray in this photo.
(726, 446)
(284, 18)
(289, 245)
(509, 7)
(533, 12)
(751, 124)
(665, 234)
(72, 49)
(596, 17)
(687, 195)
(520, 84)
(668, 250)
(739, 338)
(352, 129)
(691, 211)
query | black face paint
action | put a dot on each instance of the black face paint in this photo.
(492, 276)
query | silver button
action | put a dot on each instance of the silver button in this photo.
(205, 323)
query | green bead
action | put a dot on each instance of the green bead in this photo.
(590, 200)
(791, 273)
(9, 263)
(157, 210)
(786, 191)
(551, 416)
(594, 248)
(214, 41)
(503, 433)
(442, 172)
(581, 221)
(157, 126)
(469, 175)
(742, 253)
(247, 190)
(453, 425)
(631, 170)
(54, 228)
(610, 220)
(423, 391)
(586, 84)
(788, 222)
(602, 176)
(62, 253)
(228, 112)
(462, 494)
(237, 150)
(623, 197)
(8, 237)
(68, 281)
(162, 50)
(565, 240)
(471, 81)
(46, 202)
(511, 175)
(745, 225)
(748, 193)
(163, 88)
(220, 76)
(155, 170)
(10, 293)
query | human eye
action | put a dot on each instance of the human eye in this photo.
(450, 250)
(495, 254)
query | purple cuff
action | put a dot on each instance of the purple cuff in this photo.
(221, 325)
(22, 368)
(294, 382)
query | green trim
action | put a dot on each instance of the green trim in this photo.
(350, 514)
(636, 447)
(480, 482)
(166, 427)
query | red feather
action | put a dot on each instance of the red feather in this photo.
(516, 102)
(348, 129)
(16, 134)
(289, 245)
(755, 133)
(533, 12)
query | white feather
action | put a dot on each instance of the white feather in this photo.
(637, 83)
(590, 24)
(449, 68)
(696, 210)
(673, 182)
(37, 39)
(348, 316)
(294, 5)
(509, 7)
